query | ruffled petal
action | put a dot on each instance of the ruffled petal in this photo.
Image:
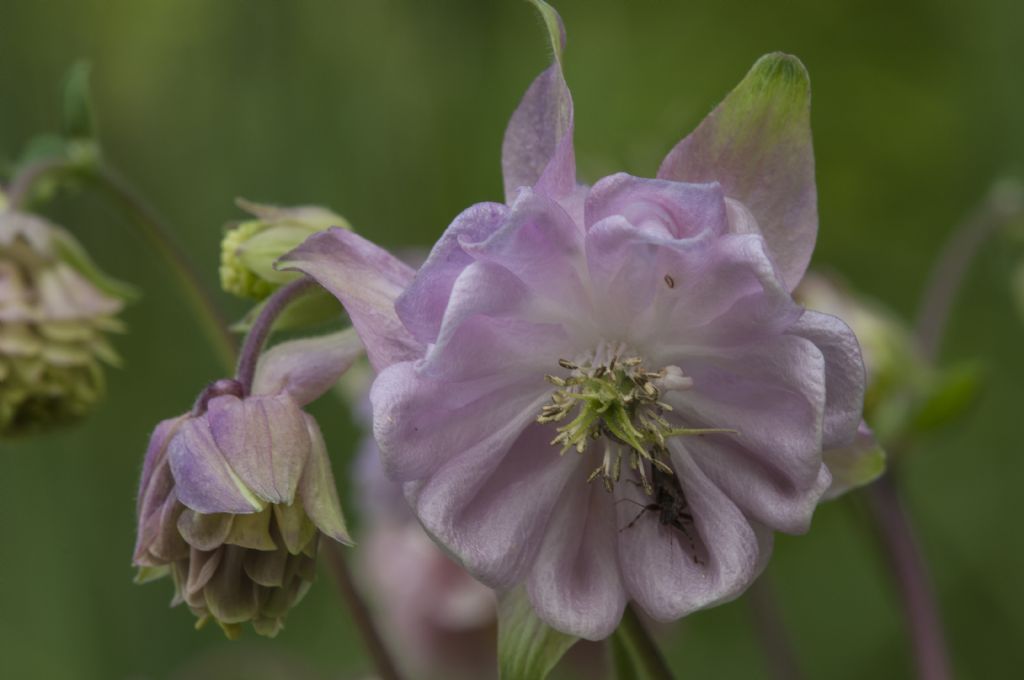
(763, 490)
(772, 394)
(421, 423)
(844, 374)
(575, 585)
(264, 440)
(423, 303)
(367, 280)
(489, 508)
(541, 245)
(757, 145)
(537, 150)
(306, 368)
(673, 209)
(670, 574)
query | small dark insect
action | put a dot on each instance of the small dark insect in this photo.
(671, 505)
(669, 281)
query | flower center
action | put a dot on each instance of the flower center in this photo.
(617, 401)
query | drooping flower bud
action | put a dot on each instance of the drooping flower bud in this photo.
(251, 247)
(236, 496)
(56, 309)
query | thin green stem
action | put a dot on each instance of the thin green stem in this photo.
(197, 294)
(639, 644)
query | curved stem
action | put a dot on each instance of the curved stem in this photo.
(910, 571)
(360, 612)
(261, 328)
(159, 236)
(1004, 202)
(771, 633)
(641, 646)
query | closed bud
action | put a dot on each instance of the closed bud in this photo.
(251, 247)
(56, 310)
(237, 495)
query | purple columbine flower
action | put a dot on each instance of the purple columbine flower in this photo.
(236, 495)
(607, 392)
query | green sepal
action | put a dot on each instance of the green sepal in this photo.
(554, 26)
(951, 395)
(528, 648)
(313, 308)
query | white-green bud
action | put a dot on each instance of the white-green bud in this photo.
(251, 247)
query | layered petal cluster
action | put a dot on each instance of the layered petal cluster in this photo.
(56, 310)
(607, 392)
(237, 495)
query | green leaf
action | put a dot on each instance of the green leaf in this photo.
(954, 391)
(527, 647)
(78, 121)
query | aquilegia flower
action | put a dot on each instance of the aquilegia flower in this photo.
(56, 310)
(236, 495)
(607, 393)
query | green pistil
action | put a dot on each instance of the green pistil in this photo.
(620, 403)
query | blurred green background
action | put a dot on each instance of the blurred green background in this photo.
(392, 112)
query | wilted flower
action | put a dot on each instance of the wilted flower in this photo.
(236, 494)
(639, 334)
(249, 248)
(55, 311)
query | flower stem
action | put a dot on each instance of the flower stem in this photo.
(360, 612)
(160, 237)
(771, 633)
(1005, 201)
(197, 294)
(911, 574)
(257, 337)
(640, 646)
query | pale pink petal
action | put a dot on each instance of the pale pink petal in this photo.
(367, 280)
(308, 367)
(666, 574)
(757, 145)
(575, 584)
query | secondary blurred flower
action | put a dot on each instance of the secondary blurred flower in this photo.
(640, 333)
(441, 619)
(55, 311)
(236, 494)
(250, 248)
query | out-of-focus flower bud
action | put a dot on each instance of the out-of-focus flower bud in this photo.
(251, 247)
(236, 495)
(55, 311)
